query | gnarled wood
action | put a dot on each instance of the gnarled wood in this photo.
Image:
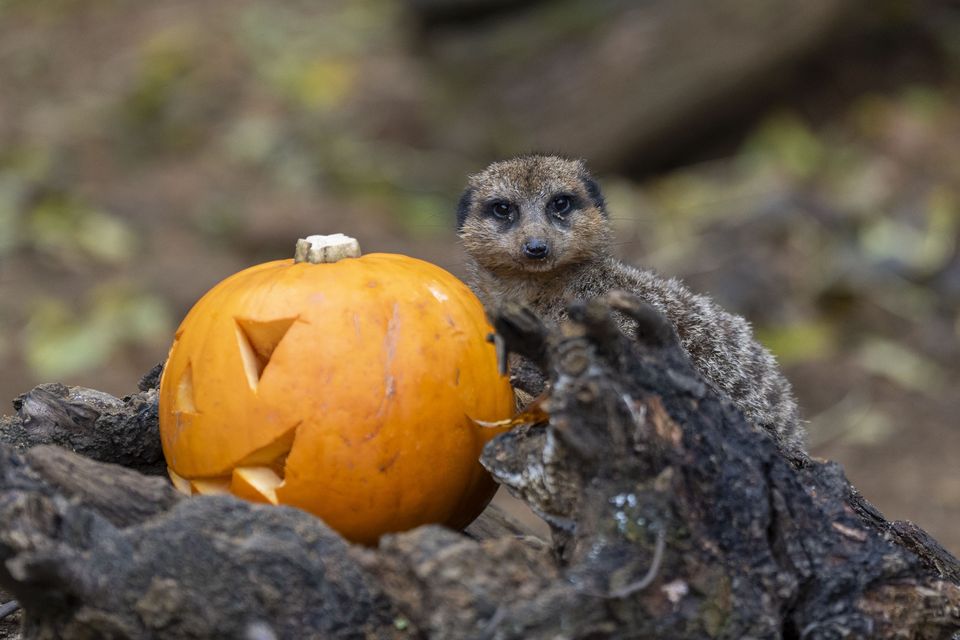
(92, 423)
(672, 517)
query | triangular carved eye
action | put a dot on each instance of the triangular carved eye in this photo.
(257, 340)
(184, 402)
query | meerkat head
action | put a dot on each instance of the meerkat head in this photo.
(533, 214)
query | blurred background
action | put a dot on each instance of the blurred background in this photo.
(800, 162)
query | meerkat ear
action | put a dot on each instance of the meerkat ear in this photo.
(593, 190)
(463, 207)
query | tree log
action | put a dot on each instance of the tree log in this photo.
(672, 517)
(92, 423)
(615, 81)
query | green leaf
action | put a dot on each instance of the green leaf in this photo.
(901, 364)
(799, 342)
(57, 344)
(71, 231)
(60, 342)
(11, 195)
(926, 249)
(423, 214)
(788, 142)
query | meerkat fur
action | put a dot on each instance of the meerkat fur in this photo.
(535, 229)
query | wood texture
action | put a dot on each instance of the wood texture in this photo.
(671, 516)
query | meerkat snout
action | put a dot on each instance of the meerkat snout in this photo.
(536, 248)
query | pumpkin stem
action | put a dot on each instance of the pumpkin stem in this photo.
(326, 249)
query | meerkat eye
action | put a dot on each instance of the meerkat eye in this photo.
(501, 210)
(560, 205)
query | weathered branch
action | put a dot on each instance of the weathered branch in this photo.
(672, 517)
(92, 423)
(9, 608)
(207, 567)
(755, 546)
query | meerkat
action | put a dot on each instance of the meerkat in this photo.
(535, 229)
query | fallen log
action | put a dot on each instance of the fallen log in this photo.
(92, 423)
(203, 568)
(9, 608)
(672, 517)
(9, 618)
(618, 82)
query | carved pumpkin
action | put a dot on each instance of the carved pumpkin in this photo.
(347, 387)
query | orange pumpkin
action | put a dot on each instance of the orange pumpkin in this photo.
(346, 387)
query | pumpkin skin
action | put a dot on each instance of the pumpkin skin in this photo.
(357, 381)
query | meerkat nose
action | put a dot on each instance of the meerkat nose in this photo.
(536, 249)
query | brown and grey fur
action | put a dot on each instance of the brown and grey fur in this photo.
(579, 265)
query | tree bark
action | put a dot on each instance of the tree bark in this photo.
(672, 517)
(92, 423)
